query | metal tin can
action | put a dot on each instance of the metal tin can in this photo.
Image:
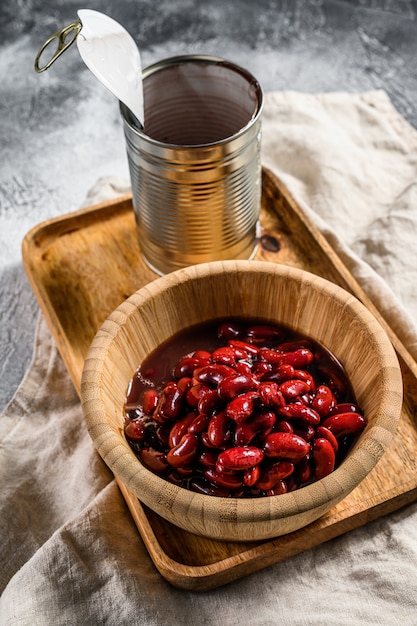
(195, 167)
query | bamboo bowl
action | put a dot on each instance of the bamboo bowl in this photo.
(303, 301)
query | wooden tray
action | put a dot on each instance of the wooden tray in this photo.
(83, 265)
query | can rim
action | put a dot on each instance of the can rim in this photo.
(128, 117)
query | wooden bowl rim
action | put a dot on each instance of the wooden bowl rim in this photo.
(330, 489)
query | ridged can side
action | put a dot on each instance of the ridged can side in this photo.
(196, 202)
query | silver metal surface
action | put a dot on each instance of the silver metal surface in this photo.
(195, 168)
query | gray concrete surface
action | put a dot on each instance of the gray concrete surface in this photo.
(61, 131)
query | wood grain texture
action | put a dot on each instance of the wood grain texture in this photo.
(83, 266)
(279, 293)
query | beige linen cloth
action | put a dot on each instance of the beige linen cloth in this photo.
(70, 552)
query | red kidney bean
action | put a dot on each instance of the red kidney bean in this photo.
(304, 399)
(291, 389)
(301, 412)
(274, 472)
(219, 429)
(243, 435)
(240, 355)
(223, 355)
(179, 428)
(135, 430)
(305, 468)
(249, 348)
(300, 358)
(213, 373)
(199, 424)
(236, 384)
(285, 446)
(229, 330)
(274, 357)
(325, 433)
(241, 408)
(244, 368)
(324, 400)
(263, 332)
(261, 369)
(270, 395)
(207, 443)
(278, 489)
(343, 424)
(170, 403)
(209, 402)
(194, 393)
(281, 373)
(306, 431)
(292, 483)
(184, 384)
(149, 401)
(154, 460)
(187, 365)
(262, 422)
(202, 354)
(307, 378)
(208, 457)
(284, 426)
(240, 458)
(324, 457)
(292, 346)
(183, 453)
(345, 407)
(251, 475)
(223, 479)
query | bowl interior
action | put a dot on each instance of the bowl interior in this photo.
(307, 303)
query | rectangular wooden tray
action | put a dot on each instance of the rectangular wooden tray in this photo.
(83, 265)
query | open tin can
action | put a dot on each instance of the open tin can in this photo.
(195, 167)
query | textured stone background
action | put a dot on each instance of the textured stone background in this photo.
(60, 131)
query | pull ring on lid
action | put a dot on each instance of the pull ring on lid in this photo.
(63, 42)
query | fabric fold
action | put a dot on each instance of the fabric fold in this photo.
(353, 170)
(48, 464)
